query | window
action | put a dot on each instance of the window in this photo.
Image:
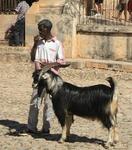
(7, 6)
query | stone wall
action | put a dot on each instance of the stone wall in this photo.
(6, 22)
(99, 42)
(86, 41)
(80, 41)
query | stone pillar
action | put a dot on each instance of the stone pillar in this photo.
(74, 39)
(31, 24)
(89, 7)
(64, 26)
(35, 14)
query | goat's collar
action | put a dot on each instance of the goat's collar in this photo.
(49, 91)
(53, 90)
(54, 85)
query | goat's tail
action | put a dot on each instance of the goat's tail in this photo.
(112, 83)
(114, 98)
(113, 86)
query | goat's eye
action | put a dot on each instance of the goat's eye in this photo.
(45, 76)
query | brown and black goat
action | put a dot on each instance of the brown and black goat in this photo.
(94, 102)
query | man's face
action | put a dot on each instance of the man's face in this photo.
(43, 32)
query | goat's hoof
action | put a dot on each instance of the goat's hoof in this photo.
(116, 140)
(67, 139)
(108, 145)
(61, 141)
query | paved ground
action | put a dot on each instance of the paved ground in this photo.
(15, 93)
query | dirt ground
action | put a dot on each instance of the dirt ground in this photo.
(15, 94)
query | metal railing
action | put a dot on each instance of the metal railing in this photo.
(109, 14)
(7, 6)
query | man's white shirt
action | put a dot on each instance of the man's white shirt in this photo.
(49, 51)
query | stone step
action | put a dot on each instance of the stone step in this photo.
(3, 42)
(10, 49)
(101, 64)
(22, 54)
(14, 54)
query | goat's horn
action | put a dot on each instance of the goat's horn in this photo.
(55, 64)
(47, 67)
(64, 65)
(51, 65)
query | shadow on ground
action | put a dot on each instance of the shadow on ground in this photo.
(16, 129)
(14, 126)
(72, 139)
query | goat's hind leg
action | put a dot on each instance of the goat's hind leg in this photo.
(113, 136)
(113, 118)
(116, 137)
(110, 141)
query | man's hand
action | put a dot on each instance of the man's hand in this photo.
(37, 38)
(60, 61)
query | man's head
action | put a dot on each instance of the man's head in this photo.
(44, 27)
(30, 2)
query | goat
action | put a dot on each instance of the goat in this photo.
(93, 102)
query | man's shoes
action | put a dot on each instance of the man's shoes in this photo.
(23, 132)
(28, 131)
(97, 15)
(31, 131)
(46, 132)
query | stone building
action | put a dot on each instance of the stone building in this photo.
(83, 36)
(87, 37)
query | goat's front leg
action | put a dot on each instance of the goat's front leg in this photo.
(63, 136)
(66, 128)
(62, 119)
(69, 121)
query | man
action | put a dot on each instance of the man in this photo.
(130, 10)
(99, 7)
(122, 6)
(21, 10)
(19, 33)
(46, 49)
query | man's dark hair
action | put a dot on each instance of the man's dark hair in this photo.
(45, 23)
(30, 2)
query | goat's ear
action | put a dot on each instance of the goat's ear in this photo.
(45, 76)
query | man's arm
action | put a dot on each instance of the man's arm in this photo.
(17, 9)
(34, 48)
(60, 54)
